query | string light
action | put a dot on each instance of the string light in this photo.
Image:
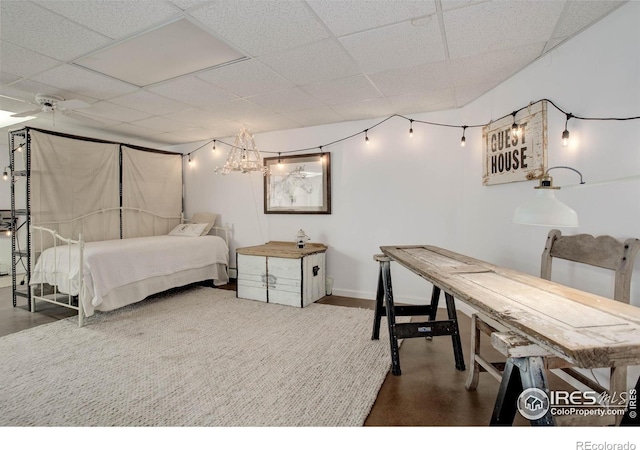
(19, 149)
(565, 133)
(213, 149)
(190, 162)
(514, 128)
(279, 161)
(5, 174)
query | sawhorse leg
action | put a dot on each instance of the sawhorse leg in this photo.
(455, 336)
(385, 269)
(385, 307)
(520, 375)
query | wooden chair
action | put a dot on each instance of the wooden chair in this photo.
(602, 251)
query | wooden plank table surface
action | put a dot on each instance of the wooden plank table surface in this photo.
(585, 329)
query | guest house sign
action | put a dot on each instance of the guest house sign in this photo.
(507, 157)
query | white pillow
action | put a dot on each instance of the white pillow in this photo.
(207, 218)
(188, 229)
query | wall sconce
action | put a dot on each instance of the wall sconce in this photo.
(545, 209)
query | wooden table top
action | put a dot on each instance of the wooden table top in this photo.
(282, 249)
(585, 329)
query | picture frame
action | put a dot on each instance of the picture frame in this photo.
(298, 184)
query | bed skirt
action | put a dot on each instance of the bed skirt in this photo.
(135, 292)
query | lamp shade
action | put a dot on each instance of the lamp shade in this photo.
(545, 209)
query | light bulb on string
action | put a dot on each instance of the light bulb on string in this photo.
(213, 149)
(190, 162)
(565, 133)
(515, 129)
(411, 128)
(279, 161)
(366, 138)
(463, 141)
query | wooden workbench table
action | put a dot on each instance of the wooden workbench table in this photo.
(586, 330)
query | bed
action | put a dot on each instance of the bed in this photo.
(106, 275)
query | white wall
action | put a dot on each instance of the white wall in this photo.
(429, 190)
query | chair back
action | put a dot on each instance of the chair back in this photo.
(602, 251)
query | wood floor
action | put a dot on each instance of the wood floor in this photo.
(430, 391)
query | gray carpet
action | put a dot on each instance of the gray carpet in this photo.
(196, 357)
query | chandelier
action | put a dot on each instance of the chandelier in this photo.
(244, 156)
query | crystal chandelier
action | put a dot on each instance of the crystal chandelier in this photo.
(244, 156)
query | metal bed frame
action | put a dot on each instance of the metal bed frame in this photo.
(50, 293)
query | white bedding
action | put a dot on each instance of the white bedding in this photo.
(109, 265)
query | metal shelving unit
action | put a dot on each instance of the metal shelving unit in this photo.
(20, 144)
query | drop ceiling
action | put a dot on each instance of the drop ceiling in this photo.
(292, 64)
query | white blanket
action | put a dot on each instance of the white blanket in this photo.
(115, 263)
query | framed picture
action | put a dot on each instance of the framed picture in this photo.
(299, 184)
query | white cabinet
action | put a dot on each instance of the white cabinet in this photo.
(279, 272)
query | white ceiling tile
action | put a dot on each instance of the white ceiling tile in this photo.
(23, 62)
(316, 62)
(27, 25)
(343, 90)
(314, 116)
(286, 100)
(160, 123)
(579, 14)
(238, 110)
(396, 46)
(413, 79)
(197, 117)
(246, 78)
(113, 19)
(193, 134)
(26, 90)
(481, 28)
(193, 91)
(116, 112)
(83, 81)
(424, 101)
(187, 4)
(13, 104)
(349, 17)
(379, 107)
(269, 122)
(149, 102)
(386, 48)
(130, 129)
(468, 93)
(6, 78)
(493, 67)
(448, 5)
(262, 27)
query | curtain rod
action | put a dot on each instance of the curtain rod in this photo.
(100, 141)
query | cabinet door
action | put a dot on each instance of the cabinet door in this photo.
(285, 281)
(252, 277)
(314, 278)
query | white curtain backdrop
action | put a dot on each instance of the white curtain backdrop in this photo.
(151, 182)
(71, 178)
